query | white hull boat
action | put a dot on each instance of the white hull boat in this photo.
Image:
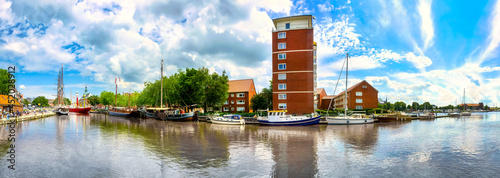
(228, 120)
(355, 119)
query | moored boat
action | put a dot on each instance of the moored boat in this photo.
(80, 110)
(353, 119)
(454, 114)
(392, 117)
(279, 118)
(176, 115)
(465, 113)
(120, 112)
(228, 119)
(62, 111)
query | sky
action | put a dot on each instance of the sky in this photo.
(422, 50)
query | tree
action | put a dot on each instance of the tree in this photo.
(66, 101)
(267, 93)
(258, 102)
(414, 106)
(486, 107)
(107, 98)
(399, 106)
(217, 90)
(25, 102)
(408, 107)
(94, 100)
(4, 82)
(427, 106)
(41, 101)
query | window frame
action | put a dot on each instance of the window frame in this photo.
(282, 84)
(359, 93)
(287, 26)
(238, 95)
(283, 47)
(238, 102)
(280, 56)
(359, 107)
(238, 108)
(280, 96)
(281, 35)
(359, 100)
(225, 108)
(282, 64)
(281, 78)
(280, 105)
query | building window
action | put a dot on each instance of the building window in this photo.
(281, 45)
(281, 76)
(282, 56)
(314, 53)
(287, 26)
(314, 61)
(226, 109)
(364, 86)
(281, 86)
(232, 95)
(232, 109)
(240, 102)
(227, 102)
(232, 102)
(359, 93)
(359, 100)
(359, 107)
(240, 109)
(281, 96)
(241, 95)
(281, 35)
(282, 106)
(282, 66)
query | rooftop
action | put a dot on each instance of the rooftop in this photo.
(4, 101)
(349, 89)
(243, 85)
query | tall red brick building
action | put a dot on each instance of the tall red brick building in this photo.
(294, 65)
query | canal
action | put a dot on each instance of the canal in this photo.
(98, 145)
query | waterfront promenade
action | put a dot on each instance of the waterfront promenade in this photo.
(98, 145)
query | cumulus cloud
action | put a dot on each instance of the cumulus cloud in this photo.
(418, 61)
(326, 7)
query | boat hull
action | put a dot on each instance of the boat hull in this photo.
(392, 118)
(465, 114)
(119, 113)
(228, 122)
(63, 112)
(177, 117)
(79, 110)
(309, 121)
(335, 121)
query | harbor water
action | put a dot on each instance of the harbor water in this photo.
(97, 145)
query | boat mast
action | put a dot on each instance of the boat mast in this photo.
(346, 74)
(161, 80)
(463, 102)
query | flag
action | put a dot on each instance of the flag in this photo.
(314, 17)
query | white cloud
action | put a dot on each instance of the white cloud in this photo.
(494, 37)
(426, 26)
(5, 12)
(326, 7)
(419, 62)
(22, 87)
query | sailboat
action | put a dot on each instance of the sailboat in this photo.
(120, 111)
(464, 112)
(353, 119)
(156, 113)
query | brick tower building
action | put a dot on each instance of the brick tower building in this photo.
(294, 64)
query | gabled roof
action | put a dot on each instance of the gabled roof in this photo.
(470, 104)
(320, 90)
(240, 85)
(4, 101)
(354, 86)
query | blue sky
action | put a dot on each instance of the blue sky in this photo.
(422, 50)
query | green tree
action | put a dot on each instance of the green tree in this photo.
(408, 107)
(25, 102)
(94, 100)
(41, 101)
(486, 107)
(427, 106)
(258, 102)
(267, 93)
(66, 101)
(399, 106)
(415, 106)
(4, 82)
(216, 92)
(107, 98)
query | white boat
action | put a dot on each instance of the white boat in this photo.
(454, 114)
(228, 119)
(466, 113)
(353, 119)
(279, 118)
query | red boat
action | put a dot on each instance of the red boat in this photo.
(80, 110)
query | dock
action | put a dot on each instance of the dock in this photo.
(26, 117)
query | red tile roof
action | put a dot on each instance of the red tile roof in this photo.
(240, 85)
(349, 89)
(470, 104)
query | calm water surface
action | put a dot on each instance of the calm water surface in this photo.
(97, 145)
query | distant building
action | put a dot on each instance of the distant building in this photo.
(294, 65)
(5, 104)
(473, 106)
(319, 94)
(360, 96)
(240, 94)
